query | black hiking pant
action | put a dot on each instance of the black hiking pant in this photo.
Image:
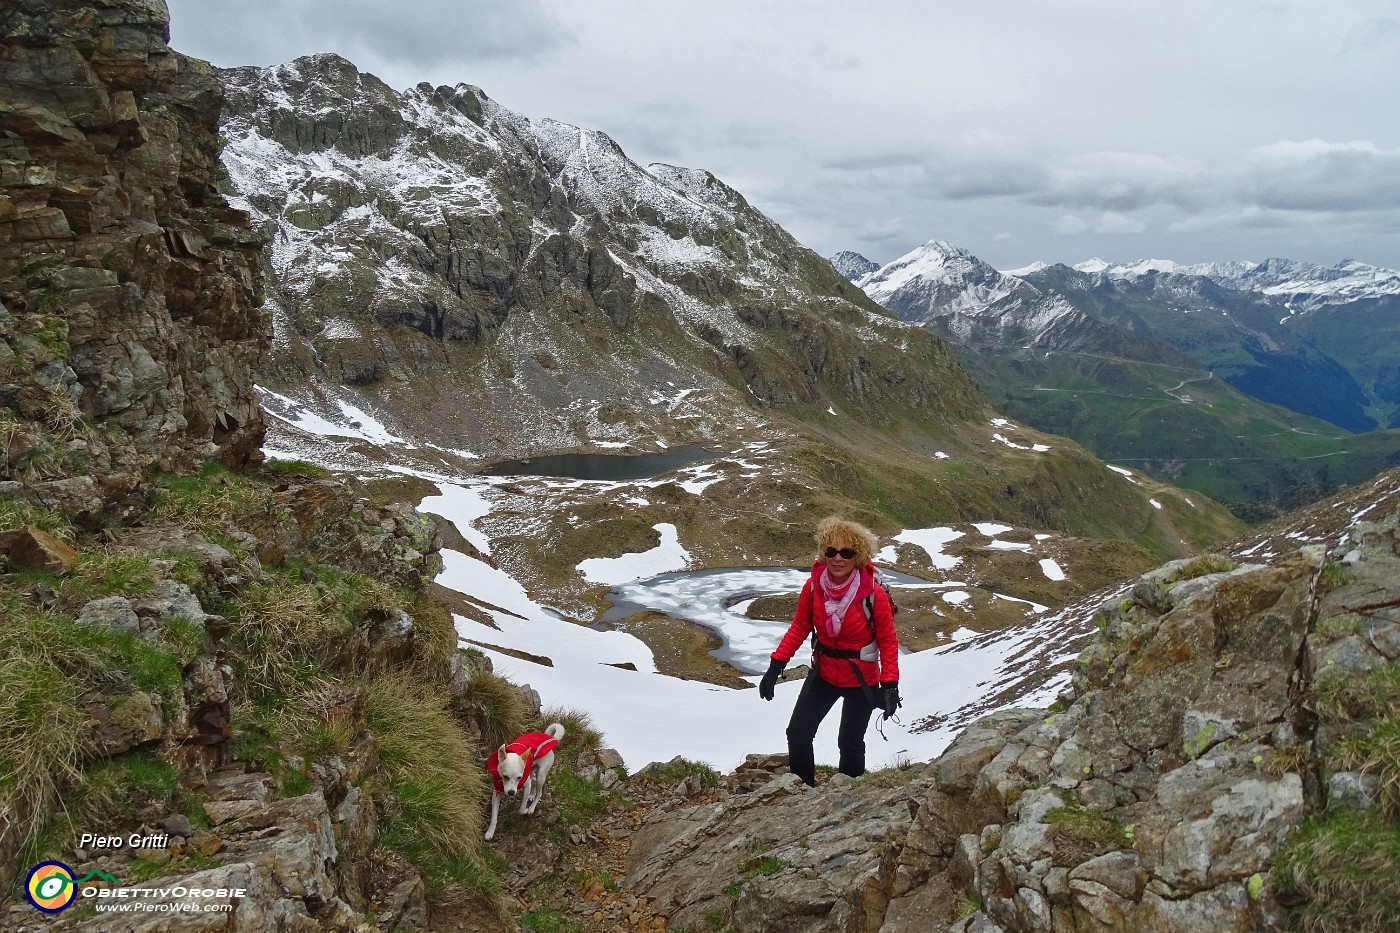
(813, 703)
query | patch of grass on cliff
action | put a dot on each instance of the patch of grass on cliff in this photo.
(298, 468)
(112, 572)
(120, 787)
(281, 632)
(493, 704)
(897, 775)
(1204, 565)
(1080, 833)
(764, 866)
(51, 671)
(1377, 753)
(207, 501)
(580, 735)
(430, 780)
(1341, 873)
(16, 513)
(680, 769)
(43, 726)
(1372, 699)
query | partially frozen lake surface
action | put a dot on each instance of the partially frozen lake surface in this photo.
(718, 599)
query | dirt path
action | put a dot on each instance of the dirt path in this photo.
(572, 886)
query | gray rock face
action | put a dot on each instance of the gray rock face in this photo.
(282, 856)
(801, 858)
(852, 265)
(129, 290)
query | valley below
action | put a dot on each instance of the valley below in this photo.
(544, 561)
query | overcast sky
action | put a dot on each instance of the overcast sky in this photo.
(1020, 129)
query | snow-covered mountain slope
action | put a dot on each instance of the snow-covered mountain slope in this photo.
(950, 291)
(433, 239)
(853, 265)
(941, 276)
(1302, 285)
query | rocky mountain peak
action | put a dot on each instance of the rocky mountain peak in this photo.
(941, 278)
(852, 265)
(408, 226)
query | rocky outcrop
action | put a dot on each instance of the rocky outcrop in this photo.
(269, 865)
(129, 290)
(782, 857)
(395, 542)
(1221, 705)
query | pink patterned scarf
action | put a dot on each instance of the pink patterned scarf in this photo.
(838, 599)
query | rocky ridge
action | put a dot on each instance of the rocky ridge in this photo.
(1305, 286)
(852, 265)
(129, 289)
(1159, 794)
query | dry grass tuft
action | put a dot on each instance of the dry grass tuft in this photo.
(1346, 870)
(43, 729)
(580, 735)
(433, 775)
(494, 704)
(283, 628)
(1206, 564)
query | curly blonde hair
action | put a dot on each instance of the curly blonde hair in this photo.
(834, 531)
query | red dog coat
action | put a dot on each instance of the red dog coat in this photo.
(530, 747)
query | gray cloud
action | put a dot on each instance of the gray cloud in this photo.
(425, 33)
(1375, 32)
(1121, 129)
(1322, 176)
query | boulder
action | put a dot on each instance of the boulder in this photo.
(31, 548)
(799, 858)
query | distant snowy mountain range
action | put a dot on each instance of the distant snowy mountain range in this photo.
(1303, 285)
(1096, 350)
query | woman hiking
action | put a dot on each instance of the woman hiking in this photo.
(855, 651)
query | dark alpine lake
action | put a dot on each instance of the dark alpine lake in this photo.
(608, 467)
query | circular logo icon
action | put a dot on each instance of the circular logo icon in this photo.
(50, 887)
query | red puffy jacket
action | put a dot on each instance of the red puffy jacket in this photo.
(855, 632)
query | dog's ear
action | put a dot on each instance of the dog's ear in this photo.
(501, 753)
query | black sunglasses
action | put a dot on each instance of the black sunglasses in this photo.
(845, 552)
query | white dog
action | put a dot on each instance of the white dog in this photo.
(526, 761)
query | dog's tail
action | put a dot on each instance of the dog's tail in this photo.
(555, 730)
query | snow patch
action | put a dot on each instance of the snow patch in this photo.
(666, 556)
(932, 541)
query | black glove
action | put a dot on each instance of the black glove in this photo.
(889, 698)
(770, 679)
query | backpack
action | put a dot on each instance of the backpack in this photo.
(868, 603)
